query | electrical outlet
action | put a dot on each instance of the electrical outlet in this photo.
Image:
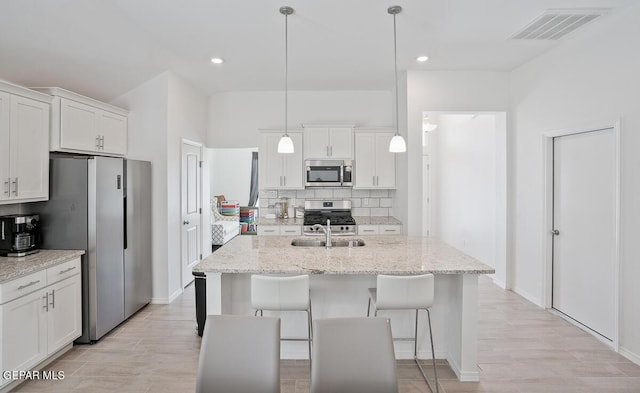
(365, 202)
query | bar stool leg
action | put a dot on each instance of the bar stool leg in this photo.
(369, 306)
(433, 354)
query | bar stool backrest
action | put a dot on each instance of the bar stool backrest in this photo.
(280, 293)
(404, 292)
(239, 354)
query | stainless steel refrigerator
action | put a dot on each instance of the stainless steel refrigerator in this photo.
(102, 205)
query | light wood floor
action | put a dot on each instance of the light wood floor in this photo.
(521, 349)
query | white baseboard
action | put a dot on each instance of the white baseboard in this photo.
(463, 376)
(533, 299)
(634, 357)
(167, 300)
(500, 283)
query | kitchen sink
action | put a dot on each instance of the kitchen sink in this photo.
(322, 243)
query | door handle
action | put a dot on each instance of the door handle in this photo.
(185, 222)
(7, 186)
(52, 303)
(45, 297)
(555, 232)
(15, 186)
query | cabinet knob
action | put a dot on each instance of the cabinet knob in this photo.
(185, 222)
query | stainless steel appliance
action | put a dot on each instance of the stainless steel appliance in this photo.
(338, 212)
(328, 173)
(103, 205)
(19, 235)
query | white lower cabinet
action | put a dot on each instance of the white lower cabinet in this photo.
(379, 229)
(40, 314)
(279, 230)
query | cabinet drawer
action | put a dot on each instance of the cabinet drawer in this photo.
(268, 230)
(63, 270)
(389, 229)
(21, 286)
(368, 230)
(290, 230)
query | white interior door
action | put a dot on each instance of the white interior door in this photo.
(584, 222)
(191, 208)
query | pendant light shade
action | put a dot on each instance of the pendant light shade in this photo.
(397, 143)
(285, 145)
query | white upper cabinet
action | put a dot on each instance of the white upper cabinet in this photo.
(334, 142)
(24, 144)
(375, 166)
(84, 125)
(277, 170)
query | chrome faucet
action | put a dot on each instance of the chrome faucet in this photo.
(327, 232)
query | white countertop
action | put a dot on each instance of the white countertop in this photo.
(12, 267)
(380, 255)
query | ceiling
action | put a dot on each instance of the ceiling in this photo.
(104, 48)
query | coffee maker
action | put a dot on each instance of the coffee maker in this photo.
(19, 235)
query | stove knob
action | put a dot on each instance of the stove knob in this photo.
(346, 228)
(342, 228)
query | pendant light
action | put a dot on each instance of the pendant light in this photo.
(397, 143)
(285, 145)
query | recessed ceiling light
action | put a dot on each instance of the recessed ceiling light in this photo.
(217, 60)
(422, 59)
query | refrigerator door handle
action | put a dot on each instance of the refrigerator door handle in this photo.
(119, 182)
(125, 221)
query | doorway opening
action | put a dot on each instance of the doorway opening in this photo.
(464, 184)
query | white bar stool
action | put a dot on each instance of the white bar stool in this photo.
(407, 293)
(239, 354)
(283, 294)
(353, 355)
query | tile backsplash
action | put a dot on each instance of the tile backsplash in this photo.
(363, 202)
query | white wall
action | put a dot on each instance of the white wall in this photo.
(162, 111)
(147, 104)
(591, 79)
(187, 119)
(230, 173)
(464, 183)
(235, 117)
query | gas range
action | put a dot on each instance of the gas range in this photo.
(337, 212)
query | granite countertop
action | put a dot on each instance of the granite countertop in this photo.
(12, 267)
(377, 220)
(279, 221)
(380, 255)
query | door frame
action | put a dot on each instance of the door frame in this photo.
(547, 222)
(199, 145)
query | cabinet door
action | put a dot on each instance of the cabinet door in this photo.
(78, 126)
(270, 161)
(29, 148)
(64, 319)
(293, 173)
(24, 332)
(341, 142)
(316, 143)
(365, 160)
(113, 131)
(5, 108)
(385, 162)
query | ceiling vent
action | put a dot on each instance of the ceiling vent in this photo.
(556, 23)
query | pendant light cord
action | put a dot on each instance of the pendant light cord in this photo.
(286, 69)
(395, 60)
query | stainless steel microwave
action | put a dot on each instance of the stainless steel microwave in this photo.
(328, 173)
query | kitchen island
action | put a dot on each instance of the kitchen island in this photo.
(340, 277)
